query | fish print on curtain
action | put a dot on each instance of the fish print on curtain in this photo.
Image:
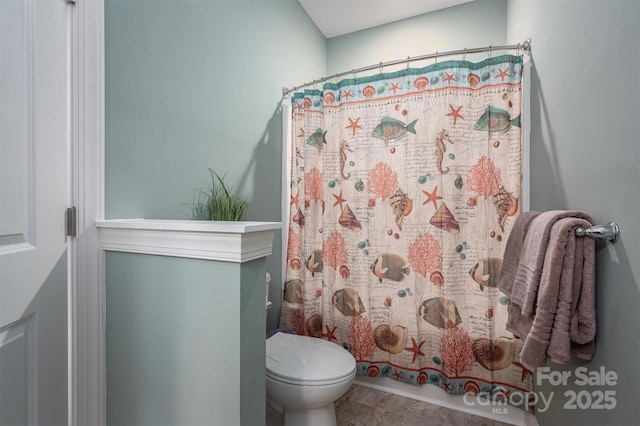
(404, 188)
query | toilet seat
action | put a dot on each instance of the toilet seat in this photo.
(311, 383)
(307, 361)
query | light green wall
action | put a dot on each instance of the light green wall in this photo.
(172, 69)
(475, 24)
(182, 341)
(196, 84)
(585, 154)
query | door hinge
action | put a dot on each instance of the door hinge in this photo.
(71, 228)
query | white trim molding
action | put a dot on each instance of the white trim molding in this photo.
(237, 242)
(87, 355)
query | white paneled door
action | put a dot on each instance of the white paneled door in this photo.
(35, 182)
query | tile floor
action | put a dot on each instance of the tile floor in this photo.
(370, 407)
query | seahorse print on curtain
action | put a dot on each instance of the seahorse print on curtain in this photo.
(405, 187)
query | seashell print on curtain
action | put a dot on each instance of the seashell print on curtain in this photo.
(405, 187)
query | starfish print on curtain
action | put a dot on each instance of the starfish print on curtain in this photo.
(406, 186)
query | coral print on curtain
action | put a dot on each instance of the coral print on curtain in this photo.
(404, 189)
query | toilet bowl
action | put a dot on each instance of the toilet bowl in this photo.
(305, 375)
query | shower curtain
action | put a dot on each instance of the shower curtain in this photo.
(404, 188)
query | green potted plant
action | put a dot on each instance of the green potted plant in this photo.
(219, 202)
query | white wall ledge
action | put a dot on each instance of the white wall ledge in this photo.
(237, 242)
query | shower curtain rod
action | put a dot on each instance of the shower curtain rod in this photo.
(525, 46)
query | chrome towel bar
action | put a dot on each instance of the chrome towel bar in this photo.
(608, 232)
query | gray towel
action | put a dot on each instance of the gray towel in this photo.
(511, 258)
(512, 251)
(565, 308)
(525, 285)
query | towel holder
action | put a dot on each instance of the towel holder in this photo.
(608, 232)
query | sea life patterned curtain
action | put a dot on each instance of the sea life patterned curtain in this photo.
(405, 186)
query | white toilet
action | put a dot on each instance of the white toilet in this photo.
(305, 375)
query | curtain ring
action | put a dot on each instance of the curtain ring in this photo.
(436, 57)
(336, 78)
(490, 50)
(354, 75)
(407, 62)
(464, 54)
(380, 67)
(518, 50)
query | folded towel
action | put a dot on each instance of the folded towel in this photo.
(511, 258)
(513, 249)
(525, 286)
(583, 305)
(564, 320)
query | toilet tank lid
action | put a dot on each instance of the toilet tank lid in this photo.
(307, 358)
